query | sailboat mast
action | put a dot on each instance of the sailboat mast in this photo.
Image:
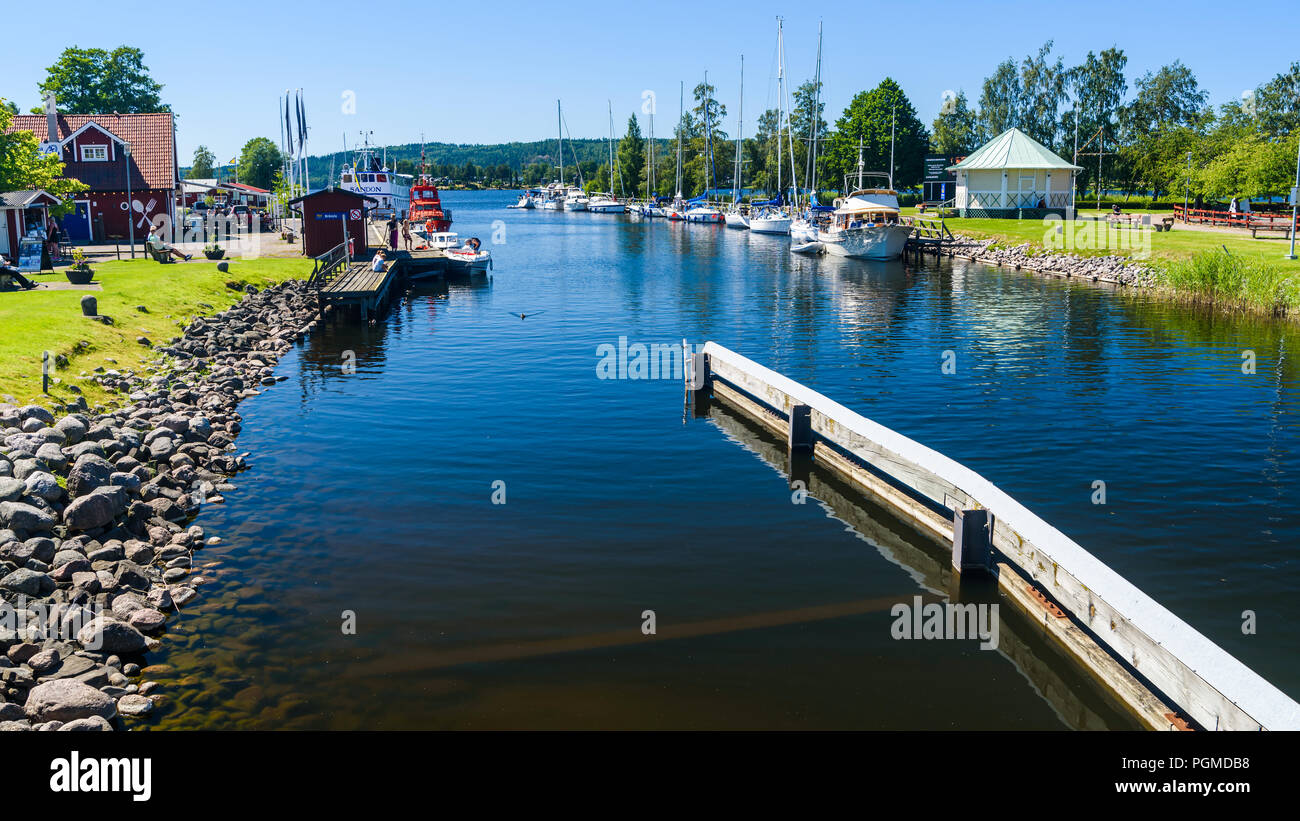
(811, 177)
(893, 118)
(710, 172)
(740, 129)
(780, 103)
(681, 115)
(559, 130)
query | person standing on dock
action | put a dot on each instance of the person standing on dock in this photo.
(406, 233)
(392, 232)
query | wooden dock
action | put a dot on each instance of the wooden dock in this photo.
(341, 283)
(1168, 675)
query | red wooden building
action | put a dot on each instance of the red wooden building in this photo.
(93, 150)
(331, 215)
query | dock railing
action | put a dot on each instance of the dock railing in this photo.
(327, 264)
(1202, 680)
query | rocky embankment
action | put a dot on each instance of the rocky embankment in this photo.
(95, 551)
(1117, 270)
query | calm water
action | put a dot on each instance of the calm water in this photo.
(373, 493)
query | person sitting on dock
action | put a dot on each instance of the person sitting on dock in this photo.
(378, 263)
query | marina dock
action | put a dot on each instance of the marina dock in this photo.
(1164, 672)
(343, 283)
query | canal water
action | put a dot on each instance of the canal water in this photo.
(474, 530)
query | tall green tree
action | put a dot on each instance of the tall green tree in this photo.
(631, 158)
(1042, 90)
(999, 101)
(258, 162)
(96, 81)
(956, 131)
(204, 162)
(23, 167)
(1098, 87)
(868, 117)
(1168, 111)
(1277, 103)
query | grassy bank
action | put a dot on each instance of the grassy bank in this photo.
(1224, 269)
(35, 321)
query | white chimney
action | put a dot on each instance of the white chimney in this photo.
(51, 119)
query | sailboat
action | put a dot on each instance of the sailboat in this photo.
(677, 211)
(700, 210)
(735, 217)
(804, 228)
(605, 203)
(772, 218)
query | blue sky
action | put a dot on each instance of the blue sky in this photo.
(492, 71)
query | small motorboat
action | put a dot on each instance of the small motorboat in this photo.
(468, 258)
(811, 248)
(605, 204)
(770, 221)
(736, 218)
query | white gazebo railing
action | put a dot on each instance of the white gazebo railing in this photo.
(999, 200)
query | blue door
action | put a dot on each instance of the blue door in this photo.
(76, 224)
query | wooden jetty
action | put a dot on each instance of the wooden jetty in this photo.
(1162, 670)
(928, 235)
(341, 282)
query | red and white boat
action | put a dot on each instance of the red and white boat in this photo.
(427, 212)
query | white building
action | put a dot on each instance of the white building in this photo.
(1013, 175)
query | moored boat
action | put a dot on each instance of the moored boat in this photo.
(426, 210)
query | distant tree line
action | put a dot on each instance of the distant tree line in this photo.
(1144, 138)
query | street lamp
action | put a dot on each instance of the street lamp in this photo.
(1187, 192)
(130, 214)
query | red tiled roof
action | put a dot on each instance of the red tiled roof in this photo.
(153, 153)
(251, 188)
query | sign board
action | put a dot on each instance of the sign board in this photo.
(1295, 195)
(48, 147)
(355, 214)
(29, 253)
(936, 168)
(331, 215)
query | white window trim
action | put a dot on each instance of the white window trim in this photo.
(87, 149)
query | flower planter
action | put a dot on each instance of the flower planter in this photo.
(214, 254)
(79, 276)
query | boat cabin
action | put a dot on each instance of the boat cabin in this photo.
(866, 207)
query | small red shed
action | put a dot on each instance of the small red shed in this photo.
(331, 215)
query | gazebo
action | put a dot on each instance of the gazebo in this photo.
(1014, 176)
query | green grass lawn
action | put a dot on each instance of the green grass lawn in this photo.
(1229, 270)
(35, 321)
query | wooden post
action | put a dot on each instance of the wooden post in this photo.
(972, 540)
(799, 435)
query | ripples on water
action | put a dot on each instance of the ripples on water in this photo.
(372, 493)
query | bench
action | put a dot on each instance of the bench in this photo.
(163, 257)
(1284, 228)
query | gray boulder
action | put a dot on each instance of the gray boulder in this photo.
(28, 582)
(89, 512)
(88, 472)
(11, 490)
(21, 516)
(67, 700)
(43, 485)
(108, 635)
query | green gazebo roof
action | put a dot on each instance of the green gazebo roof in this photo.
(1013, 148)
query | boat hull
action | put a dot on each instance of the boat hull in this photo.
(769, 225)
(880, 242)
(737, 221)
